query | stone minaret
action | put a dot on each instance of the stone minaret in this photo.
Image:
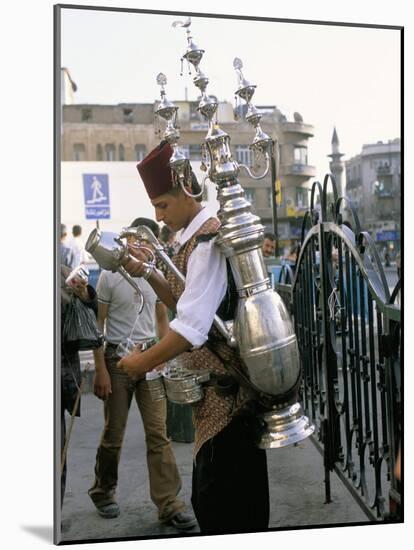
(336, 165)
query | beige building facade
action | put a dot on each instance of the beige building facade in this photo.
(127, 132)
(373, 184)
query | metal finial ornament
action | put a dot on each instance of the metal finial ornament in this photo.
(237, 63)
(184, 24)
(262, 143)
(193, 54)
(180, 165)
(161, 79)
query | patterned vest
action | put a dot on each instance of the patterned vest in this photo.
(215, 411)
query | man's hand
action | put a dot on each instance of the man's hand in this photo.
(81, 290)
(135, 267)
(102, 384)
(132, 365)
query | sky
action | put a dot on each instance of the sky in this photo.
(347, 77)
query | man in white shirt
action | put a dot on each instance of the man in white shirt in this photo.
(230, 484)
(78, 247)
(67, 256)
(118, 305)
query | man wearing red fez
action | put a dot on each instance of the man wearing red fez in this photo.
(230, 483)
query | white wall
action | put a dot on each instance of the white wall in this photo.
(128, 199)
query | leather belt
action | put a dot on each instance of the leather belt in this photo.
(144, 346)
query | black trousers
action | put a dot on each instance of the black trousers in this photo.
(230, 491)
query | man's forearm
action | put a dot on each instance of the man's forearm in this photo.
(99, 359)
(137, 268)
(170, 346)
(162, 290)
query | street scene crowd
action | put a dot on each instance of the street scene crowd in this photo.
(230, 485)
(230, 488)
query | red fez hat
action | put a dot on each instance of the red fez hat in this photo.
(155, 170)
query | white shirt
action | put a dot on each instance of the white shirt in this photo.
(122, 319)
(81, 256)
(205, 286)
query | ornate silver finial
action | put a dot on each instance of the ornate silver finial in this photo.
(261, 144)
(161, 79)
(185, 23)
(237, 63)
(179, 164)
(193, 54)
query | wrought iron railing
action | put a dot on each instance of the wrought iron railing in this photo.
(348, 329)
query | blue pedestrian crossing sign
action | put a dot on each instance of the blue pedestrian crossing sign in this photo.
(96, 196)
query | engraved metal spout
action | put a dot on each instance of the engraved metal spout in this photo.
(110, 252)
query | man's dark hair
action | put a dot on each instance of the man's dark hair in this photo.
(76, 230)
(151, 224)
(270, 236)
(63, 231)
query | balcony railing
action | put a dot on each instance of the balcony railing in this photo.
(298, 170)
(298, 128)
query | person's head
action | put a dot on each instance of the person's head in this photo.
(63, 231)
(166, 235)
(294, 250)
(151, 224)
(172, 205)
(269, 245)
(76, 230)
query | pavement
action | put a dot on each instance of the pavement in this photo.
(296, 480)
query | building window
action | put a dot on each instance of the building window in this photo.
(128, 115)
(110, 152)
(269, 197)
(250, 195)
(300, 155)
(140, 152)
(194, 151)
(99, 152)
(301, 197)
(78, 151)
(279, 198)
(194, 112)
(244, 155)
(86, 114)
(383, 187)
(121, 152)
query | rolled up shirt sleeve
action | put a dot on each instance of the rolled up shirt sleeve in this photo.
(205, 287)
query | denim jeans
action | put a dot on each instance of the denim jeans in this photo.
(164, 478)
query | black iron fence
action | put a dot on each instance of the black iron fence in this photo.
(348, 329)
